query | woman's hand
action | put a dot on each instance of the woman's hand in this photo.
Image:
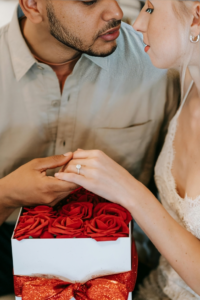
(101, 175)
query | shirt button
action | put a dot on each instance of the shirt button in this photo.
(39, 67)
(55, 103)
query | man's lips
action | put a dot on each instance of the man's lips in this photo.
(111, 34)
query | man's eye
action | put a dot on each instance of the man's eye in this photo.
(149, 10)
(88, 3)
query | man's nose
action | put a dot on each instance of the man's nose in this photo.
(112, 10)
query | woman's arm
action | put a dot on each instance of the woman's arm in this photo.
(106, 178)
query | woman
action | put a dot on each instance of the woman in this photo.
(171, 33)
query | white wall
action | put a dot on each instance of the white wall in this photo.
(6, 11)
(131, 9)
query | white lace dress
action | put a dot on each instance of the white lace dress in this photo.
(164, 283)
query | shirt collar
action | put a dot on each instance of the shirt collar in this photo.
(102, 62)
(21, 56)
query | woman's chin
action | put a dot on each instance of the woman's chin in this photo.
(162, 63)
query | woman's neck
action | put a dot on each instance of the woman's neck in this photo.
(194, 66)
(195, 74)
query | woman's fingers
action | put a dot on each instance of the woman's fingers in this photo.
(87, 169)
(71, 168)
(88, 183)
(74, 178)
(83, 162)
(87, 154)
(91, 164)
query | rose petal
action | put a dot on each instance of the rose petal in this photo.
(113, 209)
(46, 235)
(106, 227)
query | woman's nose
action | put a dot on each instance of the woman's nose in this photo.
(141, 23)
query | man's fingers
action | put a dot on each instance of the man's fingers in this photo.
(55, 185)
(52, 162)
(62, 169)
(74, 178)
(61, 197)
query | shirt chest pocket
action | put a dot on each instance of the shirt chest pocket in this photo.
(127, 146)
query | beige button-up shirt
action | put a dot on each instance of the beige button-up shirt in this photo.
(117, 104)
(120, 104)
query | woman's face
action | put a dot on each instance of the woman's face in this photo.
(165, 34)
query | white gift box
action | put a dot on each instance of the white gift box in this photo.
(75, 259)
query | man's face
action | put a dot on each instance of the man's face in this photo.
(91, 27)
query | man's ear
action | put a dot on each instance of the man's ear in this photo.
(32, 10)
(195, 26)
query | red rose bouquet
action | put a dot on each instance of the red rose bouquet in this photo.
(82, 214)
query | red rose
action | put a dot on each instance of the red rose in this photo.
(77, 210)
(66, 226)
(31, 226)
(42, 210)
(46, 235)
(66, 236)
(106, 228)
(83, 195)
(112, 209)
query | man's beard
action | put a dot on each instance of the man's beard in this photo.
(69, 40)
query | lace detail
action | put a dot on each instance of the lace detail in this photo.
(185, 211)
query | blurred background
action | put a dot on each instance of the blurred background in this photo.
(130, 8)
(6, 10)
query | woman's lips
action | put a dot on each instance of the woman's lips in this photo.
(146, 48)
(111, 34)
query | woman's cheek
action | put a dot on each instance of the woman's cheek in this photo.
(160, 51)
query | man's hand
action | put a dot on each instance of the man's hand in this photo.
(29, 185)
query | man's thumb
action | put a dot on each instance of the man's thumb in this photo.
(52, 162)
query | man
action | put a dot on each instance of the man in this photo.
(73, 76)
